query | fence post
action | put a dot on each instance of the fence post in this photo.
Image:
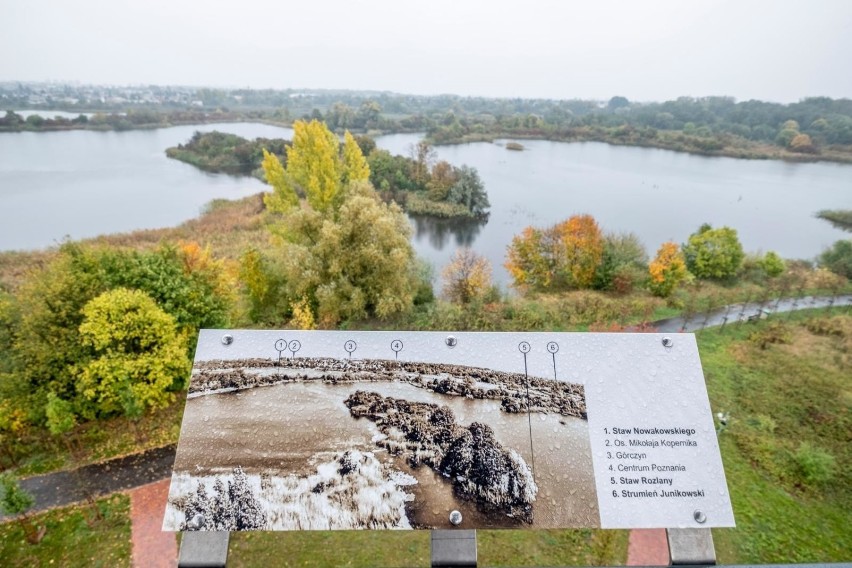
(691, 547)
(454, 548)
(204, 549)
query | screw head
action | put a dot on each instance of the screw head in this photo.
(456, 518)
(451, 342)
(667, 342)
(227, 339)
(195, 523)
(699, 517)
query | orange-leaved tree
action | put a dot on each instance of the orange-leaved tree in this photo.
(667, 270)
(580, 247)
(566, 255)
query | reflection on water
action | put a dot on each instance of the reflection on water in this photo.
(658, 194)
(439, 231)
(286, 428)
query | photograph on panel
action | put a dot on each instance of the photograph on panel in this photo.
(321, 443)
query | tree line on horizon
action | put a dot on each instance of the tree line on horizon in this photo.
(818, 122)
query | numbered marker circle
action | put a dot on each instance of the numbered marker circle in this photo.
(524, 347)
(552, 347)
(350, 346)
(294, 345)
(396, 345)
(280, 345)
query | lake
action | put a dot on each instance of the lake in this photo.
(85, 183)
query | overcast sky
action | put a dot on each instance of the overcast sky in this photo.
(780, 50)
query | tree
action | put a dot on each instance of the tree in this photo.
(529, 261)
(313, 168)
(467, 277)
(316, 169)
(263, 285)
(469, 191)
(772, 264)
(441, 180)
(566, 255)
(616, 103)
(359, 263)
(343, 253)
(366, 143)
(135, 346)
(423, 156)
(838, 258)
(802, 143)
(60, 415)
(624, 260)
(35, 120)
(713, 253)
(667, 270)
(580, 250)
(283, 196)
(15, 501)
(355, 167)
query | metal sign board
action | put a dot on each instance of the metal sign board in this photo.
(329, 430)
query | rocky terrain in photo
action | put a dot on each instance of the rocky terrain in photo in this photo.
(478, 466)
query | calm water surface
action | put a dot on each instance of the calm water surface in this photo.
(84, 183)
(658, 194)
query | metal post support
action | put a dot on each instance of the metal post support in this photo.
(691, 547)
(454, 548)
(204, 549)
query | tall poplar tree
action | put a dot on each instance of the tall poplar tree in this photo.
(345, 254)
(317, 168)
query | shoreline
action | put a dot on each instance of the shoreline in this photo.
(738, 154)
(748, 152)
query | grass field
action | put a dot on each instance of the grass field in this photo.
(69, 540)
(786, 385)
(391, 549)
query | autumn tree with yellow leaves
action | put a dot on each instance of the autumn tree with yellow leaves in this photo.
(467, 277)
(667, 270)
(343, 253)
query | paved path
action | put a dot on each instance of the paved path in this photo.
(648, 547)
(152, 547)
(66, 487)
(741, 313)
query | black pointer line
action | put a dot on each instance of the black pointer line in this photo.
(529, 416)
(554, 366)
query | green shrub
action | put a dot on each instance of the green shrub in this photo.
(713, 253)
(838, 258)
(834, 326)
(816, 466)
(774, 333)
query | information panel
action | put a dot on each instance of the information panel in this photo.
(332, 430)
